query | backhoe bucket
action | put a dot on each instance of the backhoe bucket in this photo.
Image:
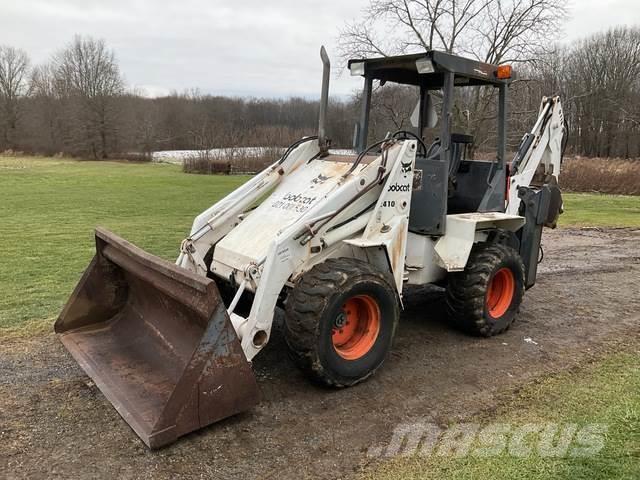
(157, 341)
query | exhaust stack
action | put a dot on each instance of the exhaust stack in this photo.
(323, 142)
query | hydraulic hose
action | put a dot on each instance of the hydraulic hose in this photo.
(406, 134)
(295, 145)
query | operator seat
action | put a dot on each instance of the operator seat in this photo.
(427, 204)
(459, 142)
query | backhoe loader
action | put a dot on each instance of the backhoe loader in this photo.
(333, 240)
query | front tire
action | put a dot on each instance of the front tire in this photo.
(340, 320)
(485, 298)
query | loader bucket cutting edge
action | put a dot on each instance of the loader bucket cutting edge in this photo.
(157, 341)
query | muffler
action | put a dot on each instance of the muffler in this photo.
(323, 141)
(157, 341)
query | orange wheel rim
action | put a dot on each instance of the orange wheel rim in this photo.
(356, 327)
(500, 292)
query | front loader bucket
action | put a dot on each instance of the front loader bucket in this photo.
(157, 341)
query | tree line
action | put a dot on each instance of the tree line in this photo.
(598, 80)
(78, 104)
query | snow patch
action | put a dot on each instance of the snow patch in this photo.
(177, 156)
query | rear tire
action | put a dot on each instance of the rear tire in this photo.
(340, 320)
(485, 298)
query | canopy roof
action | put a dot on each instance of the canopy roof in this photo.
(404, 70)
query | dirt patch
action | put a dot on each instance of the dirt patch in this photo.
(54, 422)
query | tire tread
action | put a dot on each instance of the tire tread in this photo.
(310, 297)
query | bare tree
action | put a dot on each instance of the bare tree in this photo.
(391, 109)
(87, 74)
(494, 31)
(603, 74)
(45, 121)
(14, 71)
(398, 26)
(515, 31)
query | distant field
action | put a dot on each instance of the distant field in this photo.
(49, 208)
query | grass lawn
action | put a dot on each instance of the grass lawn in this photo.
(605, 393)
(49, 207)
(599, 210)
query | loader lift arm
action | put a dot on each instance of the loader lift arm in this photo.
(339, 201)
(219, 219)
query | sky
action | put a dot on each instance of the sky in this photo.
(262, 48)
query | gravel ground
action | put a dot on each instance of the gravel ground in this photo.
(54, 423)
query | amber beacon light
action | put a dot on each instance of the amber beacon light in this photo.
(503, 72)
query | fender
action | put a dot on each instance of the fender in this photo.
(464, 229)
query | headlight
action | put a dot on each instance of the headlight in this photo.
(357, 69)
(424, 65)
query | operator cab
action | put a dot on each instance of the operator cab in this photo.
(446, 181)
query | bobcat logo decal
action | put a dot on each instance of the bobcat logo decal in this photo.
(320, 179)
(405, 167)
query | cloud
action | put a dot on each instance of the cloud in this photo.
(261, 48)
(242, 47)
(591, 16)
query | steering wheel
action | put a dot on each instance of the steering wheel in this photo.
(434, 148)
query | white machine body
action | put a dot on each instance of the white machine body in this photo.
(307, 207)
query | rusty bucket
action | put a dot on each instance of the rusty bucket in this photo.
(157, 341)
